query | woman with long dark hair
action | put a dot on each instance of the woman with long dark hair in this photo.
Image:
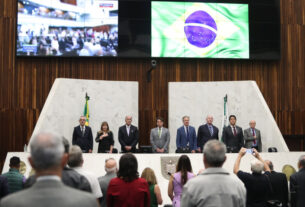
(105, 139)
(184, 172)
(127, 189)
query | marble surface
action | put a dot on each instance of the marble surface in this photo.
(245, 100)
(95, 163)
(109, 101)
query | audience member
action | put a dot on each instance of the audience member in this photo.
(297, 185)
(155, 194)
(186, 139)
(111, 170)
(48, 159)
(184, 172)
(69, 176)
(279, 187)
(128, 136)
(82, 136)
(76, 162)
(214, 186)
(127, 189)
(14, 178)
(105, 139)
(206, 132)
(257, 183)
(3, 187)
(252, 137)
(232, 136)
(159, 137)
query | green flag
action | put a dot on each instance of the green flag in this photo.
(86, 110)
(185, 29)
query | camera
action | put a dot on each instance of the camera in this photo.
(153, 63)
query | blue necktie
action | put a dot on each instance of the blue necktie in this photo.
(211, 130)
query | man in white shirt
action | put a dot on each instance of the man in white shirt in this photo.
(76, 162)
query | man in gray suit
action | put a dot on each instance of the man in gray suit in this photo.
(48, 159)
(252, 137)
(111, 170)
(159, 137)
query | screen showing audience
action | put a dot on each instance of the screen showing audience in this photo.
(209, 30)
(62, 28)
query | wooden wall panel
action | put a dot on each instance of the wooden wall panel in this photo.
(26, 82)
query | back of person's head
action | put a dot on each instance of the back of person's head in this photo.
(184, 166)
(15, 162)
(46, 152)
(66, 144)
(301, 163)
(214, 153)
(257, 166)
(110, 165)
(270, 164)
(75, 157)
(149, 175)
(128, 169)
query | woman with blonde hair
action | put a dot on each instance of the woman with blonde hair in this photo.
(155, 193)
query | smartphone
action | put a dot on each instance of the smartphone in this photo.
(250, 151)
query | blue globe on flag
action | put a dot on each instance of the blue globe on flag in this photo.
(200, 29)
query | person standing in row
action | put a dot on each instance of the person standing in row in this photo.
(82, 136)
(206, 132)
(186, 139)
(233, 136)
(160, 137)
(252, 137)
(128, 136)
(105, 139)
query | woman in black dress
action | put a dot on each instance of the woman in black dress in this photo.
(105, 139)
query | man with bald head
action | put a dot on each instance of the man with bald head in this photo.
(128, 136)
(252, 137)
(206, 132)
(111, 170)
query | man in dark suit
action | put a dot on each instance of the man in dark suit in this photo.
(128, 136)
(232, 135)
(297, 185)
(206, 132)
(186, 139)
(82, 136)
(279, 184)
(252, 137)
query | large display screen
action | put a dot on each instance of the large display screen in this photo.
(210, 30)
(67, 28)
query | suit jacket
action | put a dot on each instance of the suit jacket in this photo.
(204, 135)
(249, 139)
(49, 193)
(297, 188)
(233, 143)
(128, 140)
(181, 139)
(279, 186)
(161, 142)
(69, 177)
(3, 187)
(84, 142)
(104, 182)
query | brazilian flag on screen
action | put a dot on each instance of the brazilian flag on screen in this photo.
(186, 29)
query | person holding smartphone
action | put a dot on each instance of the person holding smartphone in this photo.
(105, 139)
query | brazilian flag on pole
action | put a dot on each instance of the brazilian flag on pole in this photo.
(187, 29)
(86, 110)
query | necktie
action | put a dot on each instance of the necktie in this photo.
(211, 130)
(254, 141)
(234, 131)
(187, 136)
(159, 132)
(128, 129)
(83, 131)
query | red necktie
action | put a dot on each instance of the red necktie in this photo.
(234, 130)
(254, 142)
